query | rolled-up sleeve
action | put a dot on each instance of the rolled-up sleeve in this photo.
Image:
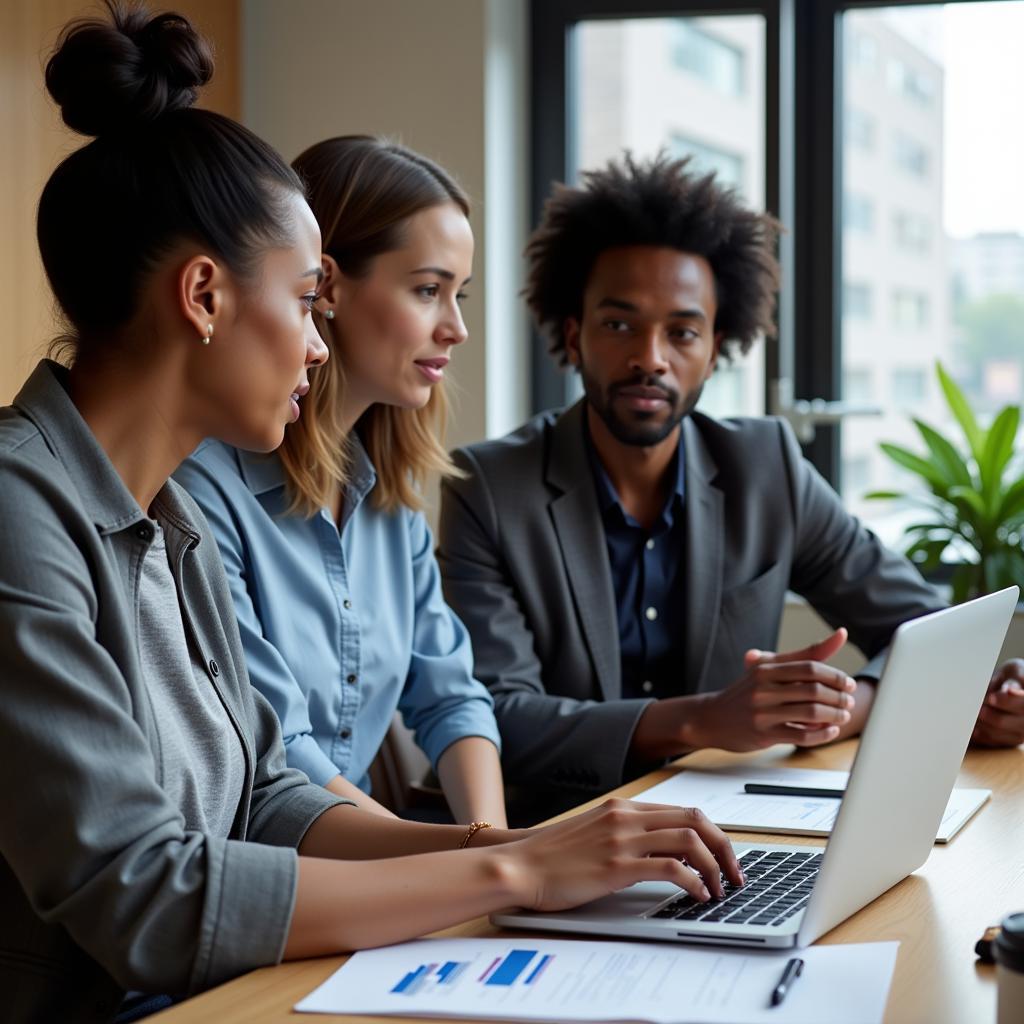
(442, 702)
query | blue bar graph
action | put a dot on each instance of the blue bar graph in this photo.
(511, 967)
(503, 972)
(535, 973)
(427, 974)
(447, 974)
(410, 979)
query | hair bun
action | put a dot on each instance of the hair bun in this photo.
(107, 76)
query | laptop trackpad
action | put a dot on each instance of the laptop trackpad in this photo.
(635, 901)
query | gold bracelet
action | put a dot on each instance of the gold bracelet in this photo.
(475, 827)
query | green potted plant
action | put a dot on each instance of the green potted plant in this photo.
(975, 500)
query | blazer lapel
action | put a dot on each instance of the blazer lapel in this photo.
(703, 557)
(580, 534)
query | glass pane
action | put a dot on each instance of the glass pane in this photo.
(933, 231)
(690, 86)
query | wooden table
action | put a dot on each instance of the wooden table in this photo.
(936, 914)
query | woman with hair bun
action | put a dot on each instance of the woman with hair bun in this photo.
(329, 557)
(153, 841)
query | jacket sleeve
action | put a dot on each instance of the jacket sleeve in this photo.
(268, 670)
(546, 739)
(843, 570)
(441, 701)
(92, 838)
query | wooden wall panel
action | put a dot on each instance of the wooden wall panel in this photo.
(33, 140)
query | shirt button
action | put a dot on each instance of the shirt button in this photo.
(144, 532)
(351, 677)
(345, 733)
(346, 604)
(214, 668)
(650, 544)
(647, 686)
(651, 614)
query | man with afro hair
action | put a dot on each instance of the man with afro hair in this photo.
(622, 564)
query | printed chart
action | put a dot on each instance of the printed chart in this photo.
(523, 966)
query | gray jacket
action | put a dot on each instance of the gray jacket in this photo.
(523, 556)
(102, 889)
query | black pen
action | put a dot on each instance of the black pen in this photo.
(794, 968)
(769, 789)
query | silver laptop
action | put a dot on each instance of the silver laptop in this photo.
(935, 679)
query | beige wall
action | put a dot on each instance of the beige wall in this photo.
(35, 141)
(447, 79)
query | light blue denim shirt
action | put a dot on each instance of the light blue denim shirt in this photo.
(339, 630)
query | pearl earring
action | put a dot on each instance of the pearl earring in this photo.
(209, 334)
(329, 314)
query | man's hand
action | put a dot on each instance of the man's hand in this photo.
(1001, 720)
(787, 697)
(784, 697)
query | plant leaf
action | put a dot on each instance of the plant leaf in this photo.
(1012, 504)
(962, 411)
(884, 495)
(922, 467)
(972, 499)
(927, 554)
(998, 450)
(921, 527)
(965, 582)
(945, 455)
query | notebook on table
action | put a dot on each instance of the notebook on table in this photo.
(720, 794)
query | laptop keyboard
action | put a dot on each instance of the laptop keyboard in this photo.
(778, 886)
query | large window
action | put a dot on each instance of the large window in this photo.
(946, 266)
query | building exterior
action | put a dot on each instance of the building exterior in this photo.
(896, 308)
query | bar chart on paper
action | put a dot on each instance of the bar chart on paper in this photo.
(531, 979)
(519, 966)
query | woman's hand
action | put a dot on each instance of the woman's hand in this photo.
(617, 844)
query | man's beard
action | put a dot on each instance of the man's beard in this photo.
(639, 429)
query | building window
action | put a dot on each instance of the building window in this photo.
(909, 386)
(727, 166)
(858, 213)
(863, 51)
(715, 61)
(859, 385)
(909, 309)
(860, 129)
(856, 300)
(909, 82)
(857, 476)
(910, 155)
(911, 231)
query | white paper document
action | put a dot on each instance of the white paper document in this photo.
(719, 794)
(566, 980)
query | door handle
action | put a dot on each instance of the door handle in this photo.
(806, 415)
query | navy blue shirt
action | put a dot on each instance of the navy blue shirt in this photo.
(646, 566)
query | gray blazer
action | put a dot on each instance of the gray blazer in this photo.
(102, 888)
(522, 552)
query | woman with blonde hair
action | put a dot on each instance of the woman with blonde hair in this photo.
(329, 555)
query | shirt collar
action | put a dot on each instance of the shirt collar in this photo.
(263, 473)
(608, 497)
(45, 401)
